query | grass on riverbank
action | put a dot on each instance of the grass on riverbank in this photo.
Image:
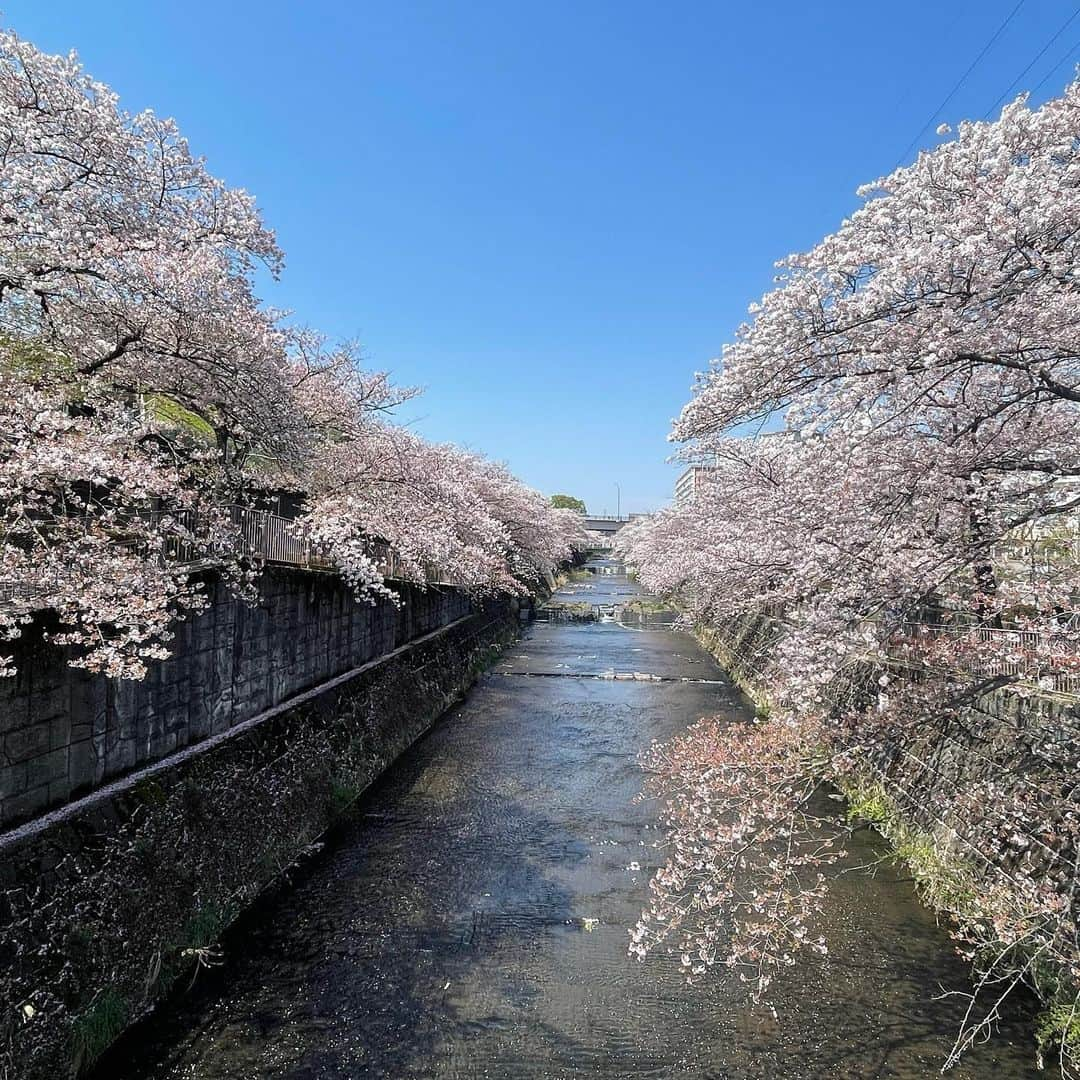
(945, 881)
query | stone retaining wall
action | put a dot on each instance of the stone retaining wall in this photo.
(106, 902)
(64, 732)
(1003, 767)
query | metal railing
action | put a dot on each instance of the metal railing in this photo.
(276, 539)
(1046, 662)
(19, 593)
(1046, 550)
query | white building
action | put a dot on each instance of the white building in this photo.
(690, 483)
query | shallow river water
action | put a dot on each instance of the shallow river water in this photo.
(470, 919)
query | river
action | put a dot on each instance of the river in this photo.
(470, 917)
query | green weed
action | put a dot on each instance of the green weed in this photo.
(97, 1026)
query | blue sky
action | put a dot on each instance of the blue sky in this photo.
(550, 215)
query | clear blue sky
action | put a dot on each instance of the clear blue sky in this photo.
(549, 214)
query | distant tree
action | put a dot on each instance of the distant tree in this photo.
(567, 502)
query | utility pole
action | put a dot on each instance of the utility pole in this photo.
(618, 502)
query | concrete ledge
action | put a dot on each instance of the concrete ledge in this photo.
(21, 833)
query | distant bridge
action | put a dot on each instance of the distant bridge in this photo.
(606, 528)
(609, 526)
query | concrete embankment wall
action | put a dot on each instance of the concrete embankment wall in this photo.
(64, 732)
(960, 777)
(265, 726)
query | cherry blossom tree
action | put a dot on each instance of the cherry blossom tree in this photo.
(918, 377)
(144, 389)
(138, 368)
(435, 507)
(89, 517)
(124, 256)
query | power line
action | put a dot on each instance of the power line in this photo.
(963, 78)
(912, 85)
(1046, 78)
(1038, 56)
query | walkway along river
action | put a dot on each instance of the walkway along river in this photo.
(470, 919)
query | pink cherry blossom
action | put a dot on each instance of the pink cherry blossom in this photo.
(144, 390)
